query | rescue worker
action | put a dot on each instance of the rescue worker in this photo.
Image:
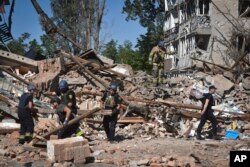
(207, 114)
(68, 96)
(25, 109)
(65, 115)
(111, 101)
(156, 58)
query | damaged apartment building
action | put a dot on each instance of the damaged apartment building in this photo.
(197, 29)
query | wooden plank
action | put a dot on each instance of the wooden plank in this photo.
(73, 121)
(75, 59)
(124, 120)
(101, 112)
(225, 68)
(130, 120)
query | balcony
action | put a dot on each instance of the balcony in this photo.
(200, 25)
(171, 34)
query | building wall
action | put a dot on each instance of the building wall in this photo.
(213, 51)
(220, 25)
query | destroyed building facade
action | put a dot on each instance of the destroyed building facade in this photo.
(195, 28)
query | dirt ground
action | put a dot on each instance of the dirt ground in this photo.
(167, 151)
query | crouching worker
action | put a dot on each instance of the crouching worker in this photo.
(111, 101)
(25, 108)
(65, 115)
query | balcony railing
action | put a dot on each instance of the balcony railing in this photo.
(200, 22)
(171, 34)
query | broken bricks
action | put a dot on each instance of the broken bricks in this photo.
(76, 149)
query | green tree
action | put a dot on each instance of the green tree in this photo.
(80, 20)
(110, 50)
(144, 44)
(48, 46)
(127, 55)
(19, 46)
(150, 15)
(33, 44)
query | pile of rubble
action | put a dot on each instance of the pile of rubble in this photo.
(169, 110)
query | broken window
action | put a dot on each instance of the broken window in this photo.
(203, 7)
(190, 9)
(238, 41)
(202, 41)
(244, 8)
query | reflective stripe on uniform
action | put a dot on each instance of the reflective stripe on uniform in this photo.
(21, 137)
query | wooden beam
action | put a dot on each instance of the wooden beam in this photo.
(210, 63)
(238, 61)
(73, 58)
(130, 120)
(124, 120)
(101, 112)
(179, 105)
(88, 92)
(50, 27)
(61, 127)
(99, 80)
(14, 75)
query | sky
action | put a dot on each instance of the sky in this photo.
(25, 19)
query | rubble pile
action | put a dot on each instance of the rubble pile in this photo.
(45, 125)
(168, 110)
(232, 96)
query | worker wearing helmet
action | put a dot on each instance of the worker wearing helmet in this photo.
(68, 96)
(111, 101)
(156, 58)
(25, 108)
(65, 115)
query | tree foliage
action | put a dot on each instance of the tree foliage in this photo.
(110, 50)
(150, 15)
(19, 46)
(48, 46)
(124, 54)
(80, 20)
(33, 44)
(23, 44)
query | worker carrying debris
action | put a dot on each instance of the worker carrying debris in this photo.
(68, 96)
(156, 58)
(65, 115)
(25, 109)
(111, 101)
(207, 114)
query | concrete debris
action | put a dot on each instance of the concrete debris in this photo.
(45, 125)
(149, 113)
(246, 83)
(170, 110)
(221, 83)
(76, 149)
(8, 127)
